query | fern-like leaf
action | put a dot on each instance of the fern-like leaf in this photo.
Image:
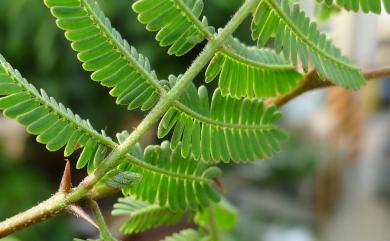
(143, 216)
(103, 51)
(177, 22)
(296, 35)
(53, 123)
(364, 5)
(171, 180)
(231, 129)
(187, 235)
(250, 72)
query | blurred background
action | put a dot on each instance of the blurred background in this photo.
(330, 183)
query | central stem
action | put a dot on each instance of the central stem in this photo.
(104, 231)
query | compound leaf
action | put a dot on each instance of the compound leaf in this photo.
(171, 180)
(103, 51)
(177, 23)
(55, 125)
(228, 129)
(251, 72)
(143, 216)
(296, 35)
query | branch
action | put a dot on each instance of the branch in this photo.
(53, 206)
(312, 81)
(47, 209)
(104, 231)
(59, 202)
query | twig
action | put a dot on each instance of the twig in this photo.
(312, 81)
(104, 231)
(47, 209)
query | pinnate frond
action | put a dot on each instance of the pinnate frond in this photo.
(229, 129)
(53, 123)
(169, 179)
(177, 23)
(296, 35)
(366, 6)
(251, 72)
(103, 51)
(143, 216)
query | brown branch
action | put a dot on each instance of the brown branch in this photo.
(312, 81)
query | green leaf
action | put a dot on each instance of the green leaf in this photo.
(177, 23)
(143, 216)
(103, 51)
(250, 72)
(225, 215)
(296, 35)
(53, 123)
(187, 235)
(172, 180)
(229, 129)
(366, 6)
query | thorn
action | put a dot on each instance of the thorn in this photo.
(80, 213)
(66, 181)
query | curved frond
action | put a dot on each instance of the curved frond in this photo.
(103, 51)
(169, 179)
(53, 123)
(297, 36)
(366, 6)
(229, 129)
(177, 23)
(143, 216)
(187, 235)
(251, 72)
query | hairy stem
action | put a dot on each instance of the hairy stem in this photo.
(312, 81)
(104, 231)
(47, 209)
(82, 190)
(53, 206)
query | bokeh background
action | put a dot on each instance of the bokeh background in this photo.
(330, 183)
